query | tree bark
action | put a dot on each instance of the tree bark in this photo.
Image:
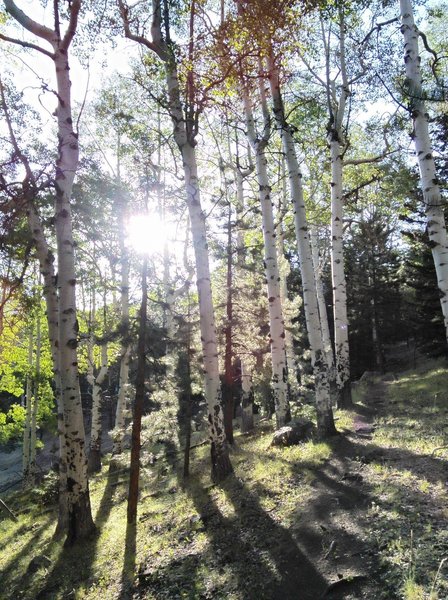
(94, 460)
(80, 518)
(228, 395)
(428, 177)
(247, 400)
(185, 131)
(325, 421)
(134, 473)
(276, 322)
(325, 329)
(338, 277)
(29, 402)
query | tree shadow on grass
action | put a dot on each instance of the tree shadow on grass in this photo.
(265, 560)
(128, 571)
(80, 557)
(9, 572)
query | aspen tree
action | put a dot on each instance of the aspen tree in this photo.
(79, 523)
(276, 322)
(325, 421)
(46, 260)
(423, 149)
(185, 129)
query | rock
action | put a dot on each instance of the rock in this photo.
(294, 433)
(38, 562)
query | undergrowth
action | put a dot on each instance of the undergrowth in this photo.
(407, 471)
(201, 541)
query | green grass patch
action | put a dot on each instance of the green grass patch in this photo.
(408, 516)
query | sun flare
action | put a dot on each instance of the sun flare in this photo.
(147, 233)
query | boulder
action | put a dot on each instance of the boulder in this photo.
(299, 430)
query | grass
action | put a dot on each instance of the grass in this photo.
(409, 518)
(202, 541)
(174, 554)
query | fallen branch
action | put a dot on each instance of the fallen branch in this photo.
(8, 511)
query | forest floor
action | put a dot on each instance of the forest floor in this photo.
(362, 516)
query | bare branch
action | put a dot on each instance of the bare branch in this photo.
(378, 27)
(32, 26)
(73, 23)
(26, 45)
(370, 160)
(156, 48)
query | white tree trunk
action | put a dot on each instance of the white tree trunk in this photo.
(220, 461)
(79, 518)
(285, 269)
(276, 322)
(338, 278)
(247, 400)
(423, 149)
(94, 461)
(33, 436)
(325, 422)
(326, 338)
(27, 427)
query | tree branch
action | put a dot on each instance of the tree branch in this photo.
(366, 161)
(32, 26)
(124, 12)
(73, 23)
(26, 45)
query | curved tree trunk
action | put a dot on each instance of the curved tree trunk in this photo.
(423, 150)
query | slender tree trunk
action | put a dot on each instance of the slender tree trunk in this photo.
(247, 400)
(80, 523)
(428, 176)
(276, 322)
(138, 404)
(29, 402)
(94, 461)
(36, 399)
(338, 277)
(325, 328)
(221, 465)
(228, 370)
(325, 421)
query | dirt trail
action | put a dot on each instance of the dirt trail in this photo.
(333, 533)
